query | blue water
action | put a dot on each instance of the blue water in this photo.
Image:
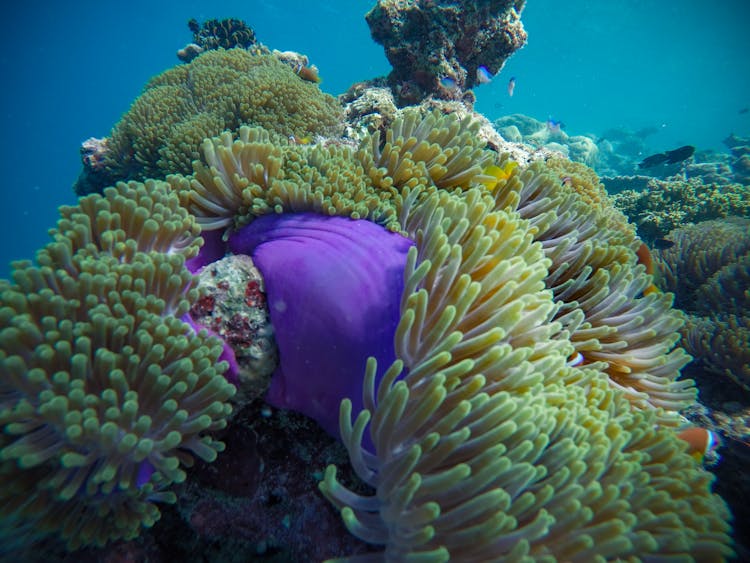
(69, 71)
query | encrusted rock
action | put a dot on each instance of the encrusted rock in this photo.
(443, 48)
(233, 306)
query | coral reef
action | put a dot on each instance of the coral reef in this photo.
(668, 204)
(519, 128)
(740, 164)
(708, 270)
(480, 398)
(634, 183)
(437, 47)
(616, 153)
(216, 34)
(220, 90)
(369, 107)
(105, 394)
(474, 283)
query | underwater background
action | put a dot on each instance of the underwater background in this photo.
(677, 66)
(628, 308)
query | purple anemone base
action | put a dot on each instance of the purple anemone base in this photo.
(333, 287)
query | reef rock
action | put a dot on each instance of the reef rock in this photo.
(436, 42)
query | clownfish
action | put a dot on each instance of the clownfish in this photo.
(493, 175)
(309, 73)
(644, 257)
(701, 442)
(575, 359)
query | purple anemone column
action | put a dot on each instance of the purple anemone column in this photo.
(333, 288)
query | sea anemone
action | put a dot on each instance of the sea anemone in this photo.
(478, 436)
(105, 394)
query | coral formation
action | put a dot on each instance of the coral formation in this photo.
(740, 164)
(105, 394)
(668, 204)
(433, 43)
(367, 109)
(483, 440)
(217, 34)
(220, 90)
(708, 270)
(519, 128)
(616, 153)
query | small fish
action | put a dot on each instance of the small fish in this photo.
(567, 181)
(663, 243)
(653, 160)
(309, 73)
(449, 83)
(644, 257)
(743, 110)
(306, 140)
(575, 359)
(679, 155)
(492, 175)
(511, 85)
(554, 125)
(484, 76)
(701, 441)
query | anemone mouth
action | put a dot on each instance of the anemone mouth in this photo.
(333, 290)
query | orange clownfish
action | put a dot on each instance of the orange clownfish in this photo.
(309, 73)
(701, 441)
(644, 257)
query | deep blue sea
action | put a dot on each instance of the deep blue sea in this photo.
(69, 71)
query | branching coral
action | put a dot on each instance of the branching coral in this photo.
(708, 269)
(483, 442)
(669, 204)
(220, 90)
(105, 394)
